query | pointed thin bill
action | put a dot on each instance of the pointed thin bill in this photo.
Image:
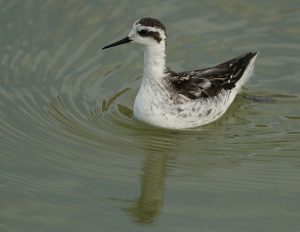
(122, 41)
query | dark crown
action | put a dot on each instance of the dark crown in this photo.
(151, 22)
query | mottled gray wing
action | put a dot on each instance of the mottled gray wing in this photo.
(209, 82)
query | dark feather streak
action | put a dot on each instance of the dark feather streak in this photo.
(205, 83)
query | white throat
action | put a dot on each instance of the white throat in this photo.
(154, 62)
(152, 92)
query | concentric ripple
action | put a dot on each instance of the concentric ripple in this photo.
(72, 154)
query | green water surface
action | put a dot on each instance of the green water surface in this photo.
(73, 158)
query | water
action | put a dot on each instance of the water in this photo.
(73, 158)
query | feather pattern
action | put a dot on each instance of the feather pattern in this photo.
(205, 83)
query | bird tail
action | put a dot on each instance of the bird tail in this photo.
(249, 58)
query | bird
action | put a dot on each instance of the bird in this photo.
(182, 100)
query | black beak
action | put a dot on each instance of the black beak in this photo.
(122, 41)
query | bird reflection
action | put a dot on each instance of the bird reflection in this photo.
(160, 147)
(148, 205)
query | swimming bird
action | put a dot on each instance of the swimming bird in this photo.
(179, 100)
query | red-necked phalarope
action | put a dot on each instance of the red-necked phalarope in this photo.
(186, 99)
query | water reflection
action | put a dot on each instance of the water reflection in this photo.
(156, 143)
(148, 205)
(158, 146)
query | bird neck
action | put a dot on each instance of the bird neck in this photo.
(154, 62)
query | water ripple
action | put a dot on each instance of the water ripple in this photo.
(66, 123)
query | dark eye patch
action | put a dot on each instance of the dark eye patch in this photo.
(143, 32)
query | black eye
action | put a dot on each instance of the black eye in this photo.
(143, 32)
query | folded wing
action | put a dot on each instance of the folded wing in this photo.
(204, 83)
